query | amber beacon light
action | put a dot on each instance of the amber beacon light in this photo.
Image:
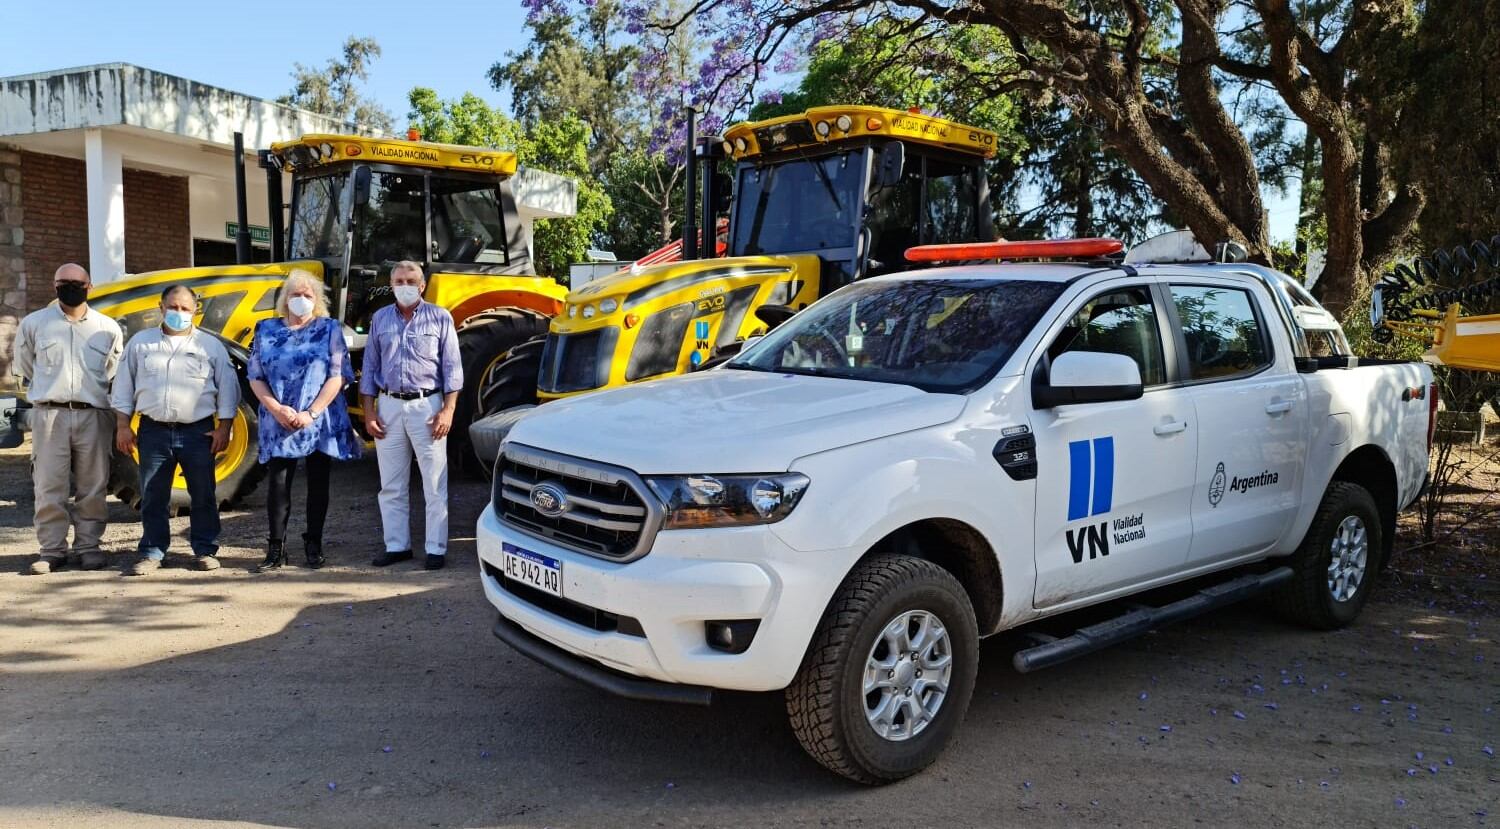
(1043, 249)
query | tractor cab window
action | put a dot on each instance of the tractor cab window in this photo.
(798, 205)
(952, 196)
(893, 225)
(392, 226)
(319, 207)
(467, 226)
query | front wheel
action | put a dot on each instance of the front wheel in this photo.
(888, 676)
(1335, 566)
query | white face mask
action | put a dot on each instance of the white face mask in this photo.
(300, 306)
(407, 295)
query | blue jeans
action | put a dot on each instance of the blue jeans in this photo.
(162, 448)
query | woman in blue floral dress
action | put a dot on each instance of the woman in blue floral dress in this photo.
(299, 365)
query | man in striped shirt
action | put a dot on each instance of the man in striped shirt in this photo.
(409, 386)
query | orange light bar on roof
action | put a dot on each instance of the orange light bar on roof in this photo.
(1044, 249)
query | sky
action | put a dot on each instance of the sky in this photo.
(251, 48)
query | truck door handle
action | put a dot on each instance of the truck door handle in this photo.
(1278, 407)
(1170, 427)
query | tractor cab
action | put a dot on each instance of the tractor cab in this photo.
(360, 205)
(856, 186)
(819, 199)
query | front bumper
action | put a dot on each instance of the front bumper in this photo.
(646, 618)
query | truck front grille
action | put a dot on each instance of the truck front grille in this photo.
(607, 511)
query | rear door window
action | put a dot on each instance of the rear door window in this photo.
(1223, 334)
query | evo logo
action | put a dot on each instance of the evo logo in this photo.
(1091, 489)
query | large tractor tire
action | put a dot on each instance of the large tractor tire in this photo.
(483, 341)
(237, 469)
(511, 381)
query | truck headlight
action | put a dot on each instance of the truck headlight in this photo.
(697, 501)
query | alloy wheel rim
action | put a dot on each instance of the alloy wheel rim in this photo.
(907, 674)
(1350, 554)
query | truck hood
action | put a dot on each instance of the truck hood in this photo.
(729, 421)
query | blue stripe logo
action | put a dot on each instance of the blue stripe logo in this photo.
(1091, 465)
(700, 328)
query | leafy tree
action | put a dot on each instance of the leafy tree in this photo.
(1149, 76)
(334, 89)
(558, 146)
(583, 60)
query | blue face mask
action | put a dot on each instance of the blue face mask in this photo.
(178, 320)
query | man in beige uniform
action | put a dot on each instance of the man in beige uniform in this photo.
(68, 353)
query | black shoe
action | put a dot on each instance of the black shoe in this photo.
(435, 562)
(275, 558)
(387, 559)
(314, 549)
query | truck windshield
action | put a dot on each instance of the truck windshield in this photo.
(320, 205)
(803, 204)
(940, 335)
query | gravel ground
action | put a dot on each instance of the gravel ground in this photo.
(357, 697)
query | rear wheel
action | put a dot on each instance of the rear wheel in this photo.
(483, 341)
(1336, 565)
(889, 674)
(237, 470)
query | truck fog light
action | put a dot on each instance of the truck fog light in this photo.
(740, 145)
(844, 123)
(588, 312)
(572, 311)
(731, 636)
(608, 306)
(823, 129)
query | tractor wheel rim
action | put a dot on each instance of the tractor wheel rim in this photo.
(1349, 556)
(907, 674)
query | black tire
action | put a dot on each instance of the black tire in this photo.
(1308, 599)
(511, 382)
(235, 484)
(826, 701)
(483, 339)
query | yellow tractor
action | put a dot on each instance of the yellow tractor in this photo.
(820, 198)
(358, 206)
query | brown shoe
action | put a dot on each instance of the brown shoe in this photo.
(47, 564)
(205, 563)
(94, 560)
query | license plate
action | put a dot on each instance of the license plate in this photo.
(532, 569)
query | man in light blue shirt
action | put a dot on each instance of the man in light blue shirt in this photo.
(179, 380)
(409, 386)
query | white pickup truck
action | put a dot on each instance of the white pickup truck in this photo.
(924, 459)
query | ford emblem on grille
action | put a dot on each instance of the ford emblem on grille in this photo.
(549, 499)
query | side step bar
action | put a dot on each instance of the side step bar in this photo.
(1141, 620)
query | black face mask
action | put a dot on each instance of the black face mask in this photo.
(72, 294)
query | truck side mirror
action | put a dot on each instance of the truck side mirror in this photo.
(1085, 377)
(890, 164)
(361, 186)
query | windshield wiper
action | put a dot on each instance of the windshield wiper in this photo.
(823, 177)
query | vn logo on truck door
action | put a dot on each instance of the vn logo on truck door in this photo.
(1091, 489)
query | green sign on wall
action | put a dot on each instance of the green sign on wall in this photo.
(258, 234)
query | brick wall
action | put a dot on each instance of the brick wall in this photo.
(55, 198)
(157, 230)
(12, 259)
